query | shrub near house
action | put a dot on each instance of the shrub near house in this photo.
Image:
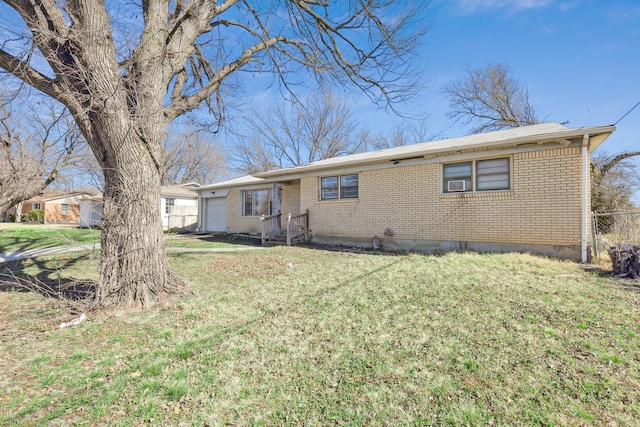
(36, 215)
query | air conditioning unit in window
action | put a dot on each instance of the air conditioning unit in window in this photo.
(457, 185)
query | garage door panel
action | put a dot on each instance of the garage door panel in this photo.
(216, 214)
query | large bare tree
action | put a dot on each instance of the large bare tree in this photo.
(490, 98)
(36, 146)
(127, 69)
(314, 128)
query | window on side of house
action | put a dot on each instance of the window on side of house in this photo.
(339, 187)
(492, 174)
(329, 187)
(457, 177)
(169, 204)
(349, 187)
(37, 206)
(64, 209)
(477, 175)
(255, 202)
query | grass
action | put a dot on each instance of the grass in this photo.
(299, 336)
(21, 237)
(203, 242)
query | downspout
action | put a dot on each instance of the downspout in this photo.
(200, 212)
(585, 196)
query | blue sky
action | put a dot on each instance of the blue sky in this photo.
(579, 59)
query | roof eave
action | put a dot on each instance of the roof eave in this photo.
(597, 135)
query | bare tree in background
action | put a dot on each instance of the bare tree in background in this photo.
(189, 155)
(404, 133)
(36, 146)
(126, 69)
(192, 156)
(490, 98)
(316, 128)
(613, 182)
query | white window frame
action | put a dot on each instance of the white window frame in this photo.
(340, 189)
(471, 181)
(37, 206)
(169, 203)
(64, 209)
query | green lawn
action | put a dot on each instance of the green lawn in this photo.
(19, 237)
(299, 336)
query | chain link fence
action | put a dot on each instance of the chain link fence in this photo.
(619, 229)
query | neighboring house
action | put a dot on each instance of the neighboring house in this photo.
(524, 189)
(178, 207)
(62, 208)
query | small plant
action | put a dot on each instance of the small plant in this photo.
(35, 216)
(470, 365)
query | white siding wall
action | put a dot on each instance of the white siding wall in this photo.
(182, 207)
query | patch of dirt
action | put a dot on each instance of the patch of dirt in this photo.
(241, 266)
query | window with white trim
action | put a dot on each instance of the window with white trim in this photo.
(256, 202)
(169, 204)
(477, 175)
(64, 209)
(37, 206)
(339, 187)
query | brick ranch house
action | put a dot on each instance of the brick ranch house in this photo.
(525, 189)
(58, 208)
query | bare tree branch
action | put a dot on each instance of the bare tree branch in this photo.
(606, 166)
(490, 97)
(317, 128)
(36, 146)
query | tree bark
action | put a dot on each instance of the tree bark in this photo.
(18, 212)
(625, 261)
(134, 271)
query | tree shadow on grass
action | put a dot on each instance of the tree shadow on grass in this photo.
(70, 292)
(21, 244)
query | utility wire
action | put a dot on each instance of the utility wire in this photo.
(627, 113)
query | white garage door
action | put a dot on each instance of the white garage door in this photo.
(216, 214)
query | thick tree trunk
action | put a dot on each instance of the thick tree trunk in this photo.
(18, 216)
(123, 123)
(134, 271)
